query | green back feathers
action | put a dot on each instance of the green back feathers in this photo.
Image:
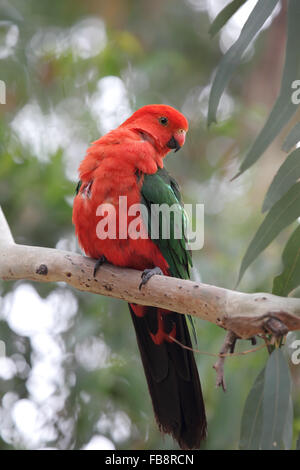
(159, 189)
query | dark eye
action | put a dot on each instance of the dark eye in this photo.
(163, 120)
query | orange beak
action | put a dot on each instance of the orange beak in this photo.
(180, 137)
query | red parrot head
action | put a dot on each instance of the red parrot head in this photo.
(163, 125)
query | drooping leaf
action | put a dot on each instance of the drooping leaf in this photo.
(251, 425)
(276, 399)
(232, 58)
(284, 107)
(292, 139)
(282, 214)
(287, 437)
(289, 279)
(287, 175)
(225, 15)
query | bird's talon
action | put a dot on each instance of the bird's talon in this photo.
(98, 264)
(148, 273)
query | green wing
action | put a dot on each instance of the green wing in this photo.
(159, 189)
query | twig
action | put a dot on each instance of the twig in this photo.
(228, 345)
(230, 354)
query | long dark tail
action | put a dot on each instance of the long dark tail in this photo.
(171, 373)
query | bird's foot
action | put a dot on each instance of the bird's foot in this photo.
(148, 273)
(98, 264)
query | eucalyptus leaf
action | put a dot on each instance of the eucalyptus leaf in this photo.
(287, 437)
(292, 139)
(225, 15)
(287, 175)
(289, 279)
(282, 214)
(233, 56)
(251, 424)
(284, 107)
(276, 399)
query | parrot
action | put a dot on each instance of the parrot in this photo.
(129, 162)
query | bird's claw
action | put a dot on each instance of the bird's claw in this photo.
(98, 264)
(148, 273)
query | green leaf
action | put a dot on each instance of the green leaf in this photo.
(289, 279)
(298, 443)
(287, 175)
(282, 214)
(276, 399)
(292, 139)
(287, 437)
(251, 424)
(233, 56)
(284, 108)
(225, 15)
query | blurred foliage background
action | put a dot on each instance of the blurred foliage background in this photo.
(72, 377)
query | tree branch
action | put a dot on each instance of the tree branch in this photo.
(244, 314)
